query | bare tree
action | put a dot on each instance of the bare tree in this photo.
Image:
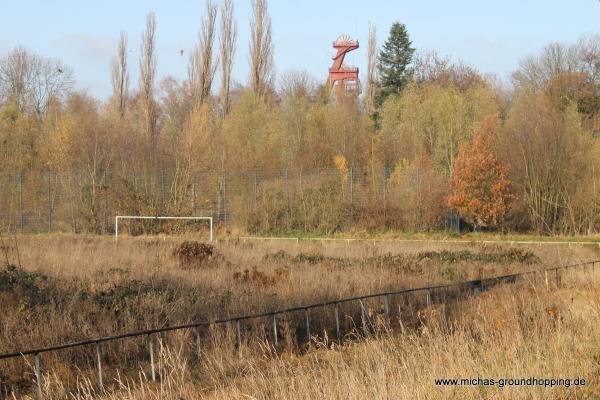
(430, 67)
(202, 67)
(261, 48)
(227, 50)
(538, 71)
(147, 76)
(371, 70)
(32, 81)
(588, 49)
(120, 76)
(52, 80)
(297, 84)
(15, 76)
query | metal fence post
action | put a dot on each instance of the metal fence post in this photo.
(429, 298)
(21, 216)
(386, 306)
(307, 318)
(225, 196)
(198, 342)
(418, 194)
(104, 200)
(194, 194)
(49, 203)
(351, 183)
(162, 191)
(363, 317)
(238, 335)
(151, 350)
(287, 191)
(337, 321)
(384, 197)
(275, 328)
(38, 376)
(255, 186)
(99, 365)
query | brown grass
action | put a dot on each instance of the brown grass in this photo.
(97, 287)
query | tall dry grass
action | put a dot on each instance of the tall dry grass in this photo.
(97, 287)
(509, 332)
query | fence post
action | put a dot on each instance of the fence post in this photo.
(307, 318)
(351, 183)
(198, 342)
(363, 317)
(225, 196)
(49, 203)
(287, 191)
(99, 365)
(162, 191)
(386, 306)
(104, 201)
(238, 335)
(275, 328)
(38, 376)
(255, 185)
(151, 349)
(194, 194)
(337, 321)
(418, 194)
(557, 278)
(385, 197)
(429, 298)
(21, 216)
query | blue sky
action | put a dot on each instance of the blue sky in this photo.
(492, 36)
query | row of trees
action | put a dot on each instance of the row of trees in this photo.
(512, 156)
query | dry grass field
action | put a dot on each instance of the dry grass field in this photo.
(67, 288)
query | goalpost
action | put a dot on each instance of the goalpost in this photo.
(118, 217)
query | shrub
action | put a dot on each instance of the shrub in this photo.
(193, 254)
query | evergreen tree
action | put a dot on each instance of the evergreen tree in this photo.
(393, 63)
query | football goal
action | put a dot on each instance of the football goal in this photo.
(121, 217)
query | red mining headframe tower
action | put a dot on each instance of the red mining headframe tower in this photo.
(341, 77)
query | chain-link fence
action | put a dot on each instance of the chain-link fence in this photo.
(256, 201)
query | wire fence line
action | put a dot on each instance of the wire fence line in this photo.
(257, 200)
(443, 241)
(474, 286)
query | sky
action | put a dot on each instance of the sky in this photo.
(491, 36)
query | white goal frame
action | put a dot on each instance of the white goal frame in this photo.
(118, 217)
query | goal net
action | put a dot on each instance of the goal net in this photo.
(199, 223)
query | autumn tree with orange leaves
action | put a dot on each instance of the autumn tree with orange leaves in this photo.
(481, 190)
